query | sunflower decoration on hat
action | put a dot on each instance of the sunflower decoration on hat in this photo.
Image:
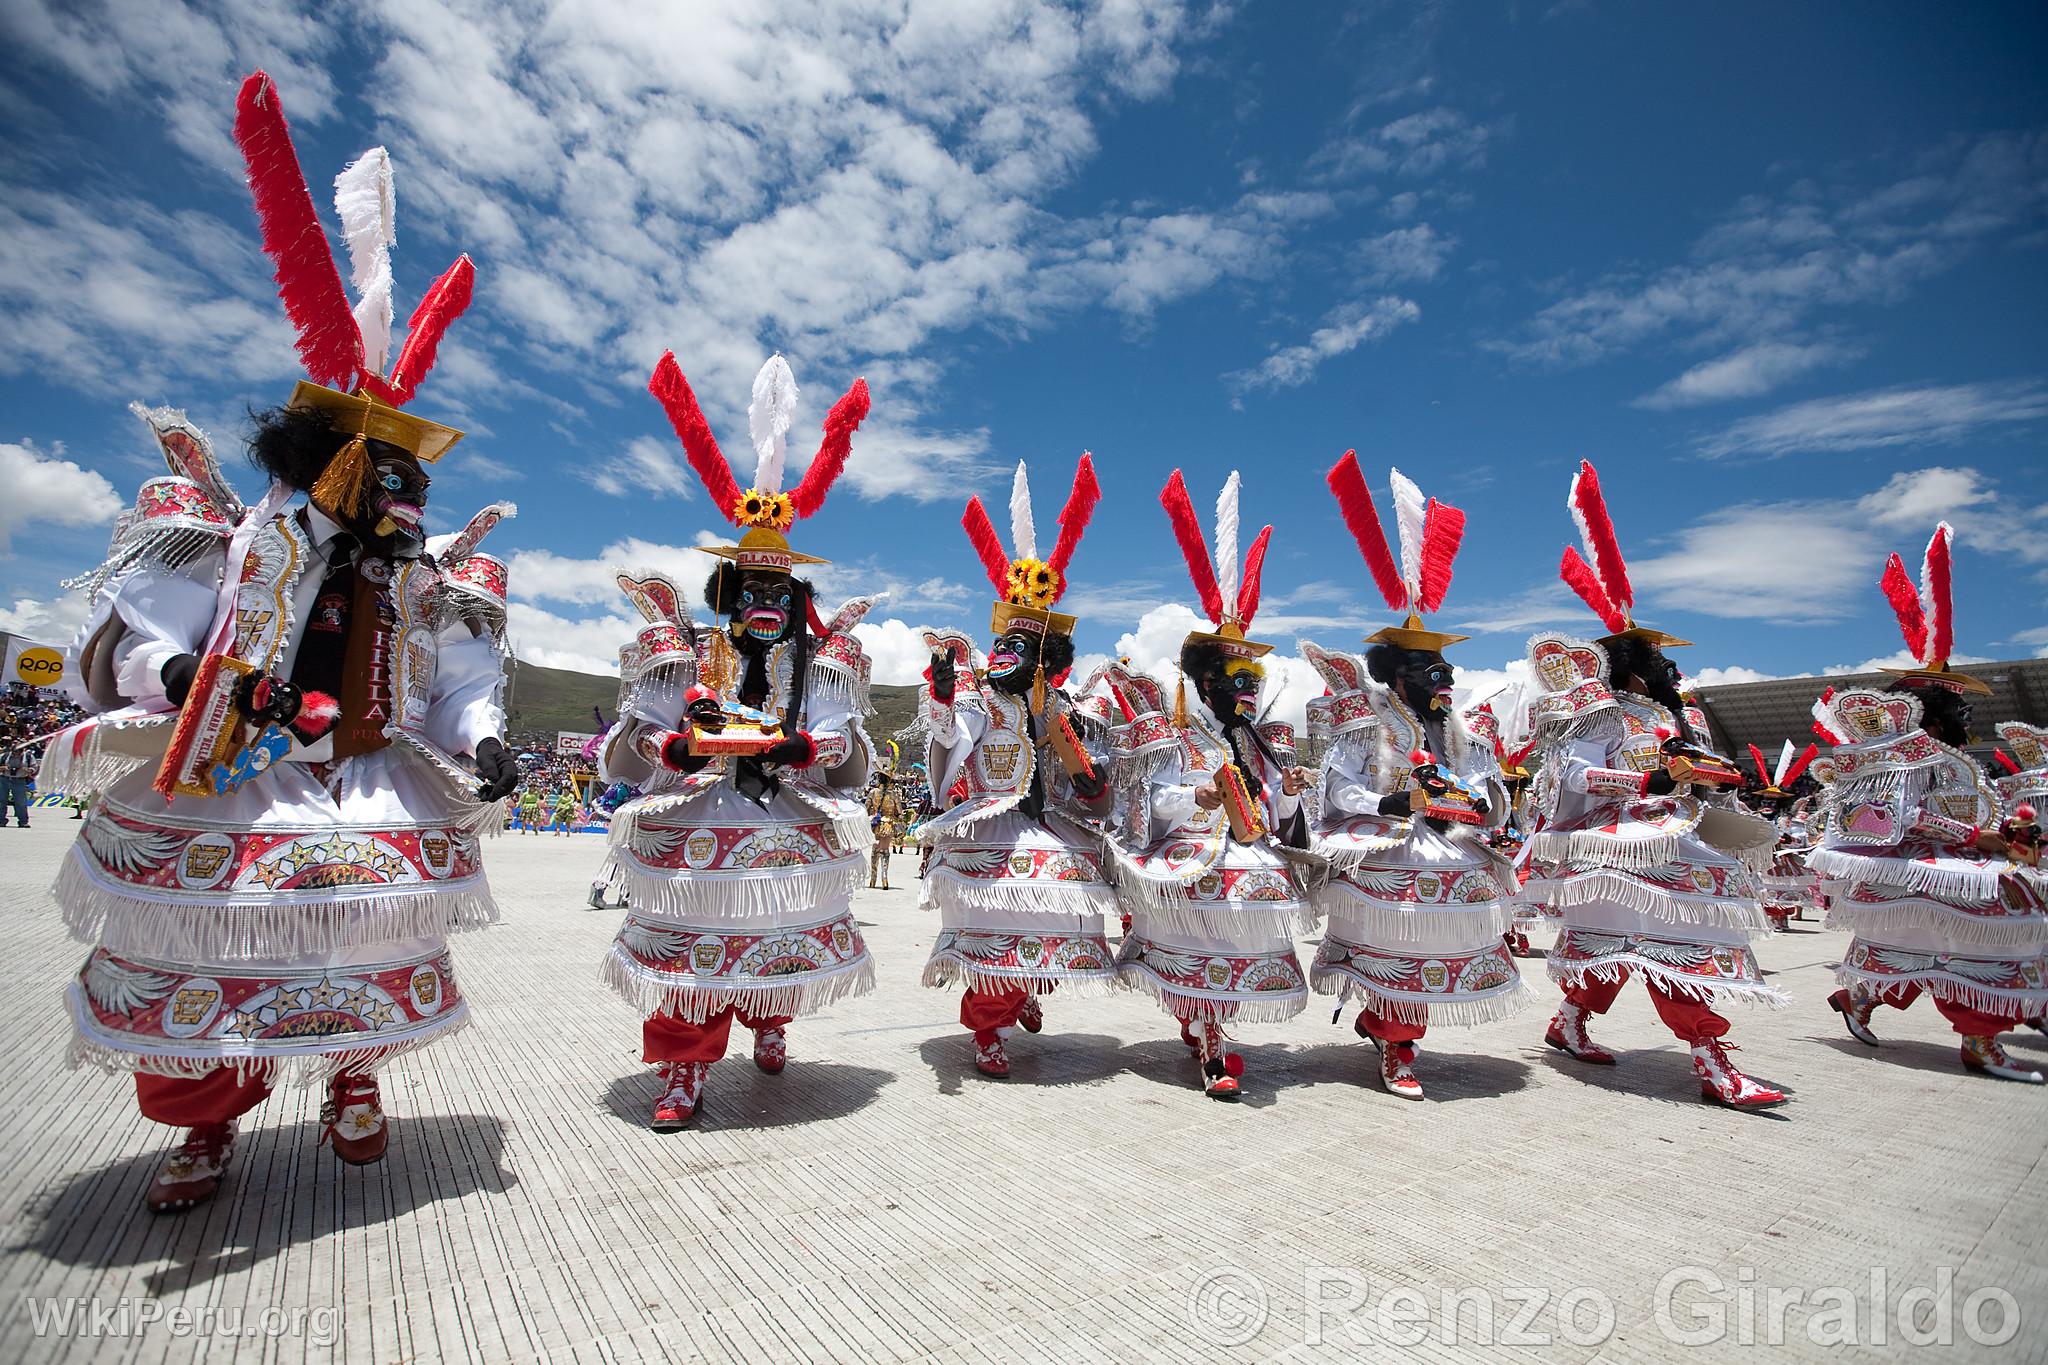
(1600, 575)
(356, 376)
(765, 511)
(1926, 614)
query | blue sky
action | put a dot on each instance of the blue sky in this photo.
(1778, 271)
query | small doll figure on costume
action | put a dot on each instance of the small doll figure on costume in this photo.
(286, 720)
(1016, 873)
(739, 861)
(1940, 899)
(1417, 901)
(1641, 865)
(1207, 827)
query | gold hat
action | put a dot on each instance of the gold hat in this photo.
(360, 414)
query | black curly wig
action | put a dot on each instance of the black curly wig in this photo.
(1943, 713)
(1198, 659)
(293, 445)
(1383, 662)
(1056, 654)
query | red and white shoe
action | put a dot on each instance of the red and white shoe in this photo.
(1220, 1066)
(354, 1116)
(1985, 1055)
(1855, 1007)
(1722, 1083)
(1568, 1035)
(1397, 1071)
(771, 1050)
(193, 1173)
(1032, 1016)
(682, 1091)
(991, 1058)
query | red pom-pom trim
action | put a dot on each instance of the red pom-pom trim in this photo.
(1233, 1065)
(317, 714)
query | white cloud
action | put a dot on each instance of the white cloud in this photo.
(896, 650)
(46, 488)
(1715, 677)
(1403, 256)
(1746, 373)
(1881, 418)
(1345, 329)
(1420, 144)
(51, 623)
(648, 465)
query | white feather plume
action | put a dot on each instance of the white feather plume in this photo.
(1226, 544)
(768, 417)
(1023, 535)
(1409, 510)
(1784, 764)
(368, 207)
(1927, 611)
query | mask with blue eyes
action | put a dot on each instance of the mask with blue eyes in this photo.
(394, 524)
(764, 607)
(1013, 661)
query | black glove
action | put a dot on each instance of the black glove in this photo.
(1661, 784)
(943, 676)
(1089, 786)
(676, 753)
(177, 674)
(499, 773)
(1483, 807)
(798, 748)
(1397, 805)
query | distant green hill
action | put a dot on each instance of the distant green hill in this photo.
(544, 699)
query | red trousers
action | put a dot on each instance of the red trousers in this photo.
(983, 1012)
(1964, 1020)
(1390, 1030)
(221, 1094)
(1690, 1019)
(667, 1038)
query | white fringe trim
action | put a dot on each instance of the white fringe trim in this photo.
(93, 1047)
(1712, 993)
(1732, 912)
(1468, 926)
(1346, 857)
(1615, 850)
(225, 931)
(1232, 920)
(966, 816)
(799, 993)
(687, 894)
(1454, 1012)
(946, 889)
(949, 970)
(1253, 1007)
(1955, 926)
(1948, 883)
(1954, 990)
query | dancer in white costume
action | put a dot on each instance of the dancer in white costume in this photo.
(1417, 903)
(285, 832)
(1937, 900)
(1635, 858)
(1208, 827)
(739, 864)
(1016, 874)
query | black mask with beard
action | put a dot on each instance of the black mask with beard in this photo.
(1015, 656)
(1233, 698)
(1943, 713)
(295, 446)
(1636, 665)
(1420, 676)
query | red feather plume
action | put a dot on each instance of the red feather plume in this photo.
(1074, 517)
(330, 344)
(1443, 529)
(1941, 607)
(988, 546)
(1826, 735)
(1187, 529)
(1801, 764)
(673, 392)
(444, 302)
(1763, 773)
(1248, 591)
(1904, 595)
(840, 423)
(1592, 505)
(1578, 576)
(2006, 761)
(1354, 500)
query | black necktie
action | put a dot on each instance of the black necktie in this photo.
(323, 644)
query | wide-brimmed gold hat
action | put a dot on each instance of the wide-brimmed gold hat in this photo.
(360, 414)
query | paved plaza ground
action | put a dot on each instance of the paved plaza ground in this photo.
(880, 1201)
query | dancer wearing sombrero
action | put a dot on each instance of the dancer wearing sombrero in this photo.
(288, 708)
(1208, 814)
(738, 864)
(1630, 851)
(1940, 902)
(1016, 875)
(1417, 903)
